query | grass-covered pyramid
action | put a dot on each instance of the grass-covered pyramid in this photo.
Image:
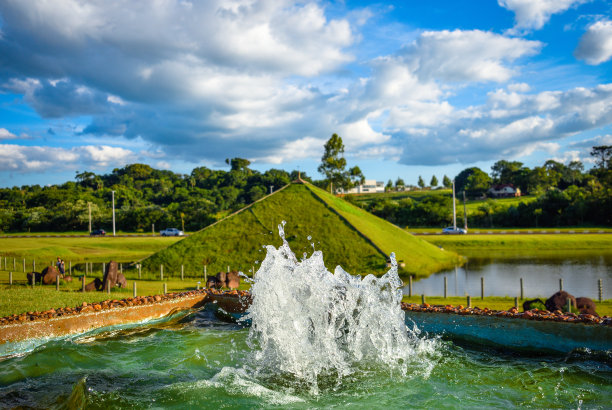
(348, 236)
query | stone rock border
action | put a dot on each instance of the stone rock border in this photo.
(513, 313)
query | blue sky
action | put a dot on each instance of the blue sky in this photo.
(413, 88)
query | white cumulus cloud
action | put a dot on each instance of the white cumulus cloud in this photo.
(534, 14)
(595, 46)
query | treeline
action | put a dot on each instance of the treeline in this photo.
(566, 195)
(143, 196)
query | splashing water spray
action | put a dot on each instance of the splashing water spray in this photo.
(310, 325)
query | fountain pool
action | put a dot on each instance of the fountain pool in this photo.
(318, 339)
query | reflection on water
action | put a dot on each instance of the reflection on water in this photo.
(502, 271)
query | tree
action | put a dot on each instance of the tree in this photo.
(434, 182)
(333, 166)
(461, 179)
(399, 182)
(421, 183)
(446, 181)
(478, 183)
(389, 185)
(603, 154)
(333, 162)
(504, 172)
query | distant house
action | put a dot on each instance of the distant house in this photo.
(504, 191)
(370, 186)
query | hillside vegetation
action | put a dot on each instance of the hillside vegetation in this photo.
(347, 235)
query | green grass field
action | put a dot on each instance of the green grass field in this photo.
(532, 243)
(98, 249)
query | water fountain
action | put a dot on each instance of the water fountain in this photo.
(317, 339)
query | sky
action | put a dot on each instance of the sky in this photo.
(414, 88)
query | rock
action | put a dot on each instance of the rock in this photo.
(121, 281)
(586, 306)
(49, 275)
(233, 280)
(110, 275)
(92, 286)
(558, 301)
(157, 298)
(213, 283)
(532, 304)
(37, 277)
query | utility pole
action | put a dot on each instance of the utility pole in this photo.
(454, 208)
(89, 205)
(464, 212)
(113, 196)
(271, 189)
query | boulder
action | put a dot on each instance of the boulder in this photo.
(222, 277)
(121, 281)
(49, 274)
(233, 280)
(558, 301)
(533, 304)
(37, 277)
(213, 283)
(110, 275)
(93, 285)
(586, 306)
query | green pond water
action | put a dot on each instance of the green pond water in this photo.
(197, 361)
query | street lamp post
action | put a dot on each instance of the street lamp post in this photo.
(113, 196)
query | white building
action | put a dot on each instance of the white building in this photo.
(370, 186)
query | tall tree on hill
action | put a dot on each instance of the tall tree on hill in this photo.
(421, 183)
(399, 182)
(506, 172)
(333, 166)
(434, 182)
(446, 181)
(603, 153)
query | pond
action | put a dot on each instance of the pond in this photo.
(502, 271)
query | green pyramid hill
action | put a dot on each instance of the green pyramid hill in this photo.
(347, 235)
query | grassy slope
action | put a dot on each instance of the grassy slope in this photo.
(237, 241)
(420, 258)
(81, 249)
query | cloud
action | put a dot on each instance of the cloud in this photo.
(595, 46)
(6, 134)
(508, 125)
(466, 55)
(534, 14)
(51, 159)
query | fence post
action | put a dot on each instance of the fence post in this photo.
(161, 272)
(33, 279)
(410, 286)
(560, 284)
(228, 268)
(600, 286)
(83, 283)
(205, 276)
(10, 278)
(182, 272)
(165, 288)
(135, 292)
(198, 286)
(522, 295)
(422, 299)
(70, 267)
(482, 287)
(108, 287)
(516, 302)
(569, 305)
(469, 301)
(121, 268)
(34, 265)
(57, 283)
(445, 286)
(103, 268)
